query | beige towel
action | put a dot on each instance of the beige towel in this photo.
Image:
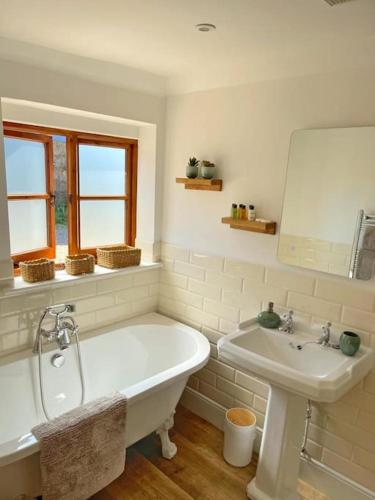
(368, 239)
(365, 264)
(83, 450)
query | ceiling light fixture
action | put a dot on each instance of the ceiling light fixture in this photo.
(204, 27)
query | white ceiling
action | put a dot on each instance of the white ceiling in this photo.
(255, 39)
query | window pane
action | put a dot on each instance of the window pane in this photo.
(102, 223)
(28, 225)
(25, 166)
(61, 201)
(101, 170)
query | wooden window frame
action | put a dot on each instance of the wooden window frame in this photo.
(73, 139)
(50, 250)
(75, 197)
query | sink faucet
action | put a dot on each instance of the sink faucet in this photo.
(64, 328)
(326, 335)
(324, 340)
(288, 323)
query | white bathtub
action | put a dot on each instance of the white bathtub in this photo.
(148, 358)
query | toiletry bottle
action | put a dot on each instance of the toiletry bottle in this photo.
(234, 210)
(243, 212)
(269, 319)
(251, 215)
(240, 211)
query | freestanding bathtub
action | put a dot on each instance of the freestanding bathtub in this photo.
(148, 358)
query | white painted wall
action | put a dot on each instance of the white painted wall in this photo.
(54, 116)
(95, 70)
(20, 81)
(146, 196)
(5, 262)
(246, 131)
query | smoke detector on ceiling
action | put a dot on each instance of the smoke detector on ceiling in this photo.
(205, 27)
(332, 3)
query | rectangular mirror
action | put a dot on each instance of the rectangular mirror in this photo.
(329, 200)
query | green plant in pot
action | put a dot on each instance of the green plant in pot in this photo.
(192, 168)
(207, 169)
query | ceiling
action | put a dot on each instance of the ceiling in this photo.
(255, 39)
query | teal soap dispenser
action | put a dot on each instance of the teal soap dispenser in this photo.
(269, 319)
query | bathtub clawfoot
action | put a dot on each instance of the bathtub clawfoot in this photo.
(168, 449)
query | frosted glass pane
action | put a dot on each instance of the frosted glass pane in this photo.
(28, 225)
(102, 223)
(25, 166)
(101, 170)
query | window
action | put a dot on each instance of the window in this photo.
(102, 193)
(95, 200)
(30, 187)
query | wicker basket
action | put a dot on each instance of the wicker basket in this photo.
(79, 264)
(37, 270)
(115, 257)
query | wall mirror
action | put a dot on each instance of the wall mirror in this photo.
(328, 221)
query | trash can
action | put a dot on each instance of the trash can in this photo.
(239, 435)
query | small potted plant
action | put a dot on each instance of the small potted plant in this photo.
(192, 168)
(207, 169)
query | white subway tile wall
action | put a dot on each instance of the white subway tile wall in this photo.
(99, 302)
(214, 293)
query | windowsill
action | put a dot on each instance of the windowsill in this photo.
(62, 278)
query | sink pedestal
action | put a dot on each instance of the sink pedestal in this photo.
(279, 458)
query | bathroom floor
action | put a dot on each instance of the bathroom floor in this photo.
(198, 471)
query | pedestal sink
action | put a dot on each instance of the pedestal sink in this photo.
(317, 373)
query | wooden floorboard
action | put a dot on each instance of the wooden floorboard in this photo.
(209, 440)
(141, 481)
(198, 471)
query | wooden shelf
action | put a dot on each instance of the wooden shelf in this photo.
(201, 184)
(247, 225)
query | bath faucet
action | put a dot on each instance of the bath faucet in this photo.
(288, 323)
(64, 328)
(64, 331)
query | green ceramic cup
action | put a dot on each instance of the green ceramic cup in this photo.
(349, 343)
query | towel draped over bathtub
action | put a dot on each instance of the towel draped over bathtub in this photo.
(83, 450)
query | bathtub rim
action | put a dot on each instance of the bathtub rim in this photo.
(9, 452)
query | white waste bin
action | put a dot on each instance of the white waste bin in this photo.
(239, 435)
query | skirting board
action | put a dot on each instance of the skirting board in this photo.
(318, 475)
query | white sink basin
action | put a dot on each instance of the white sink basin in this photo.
(315, 372)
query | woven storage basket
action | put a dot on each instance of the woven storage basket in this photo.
(118, 256)
(79, 264)
(37, 270)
